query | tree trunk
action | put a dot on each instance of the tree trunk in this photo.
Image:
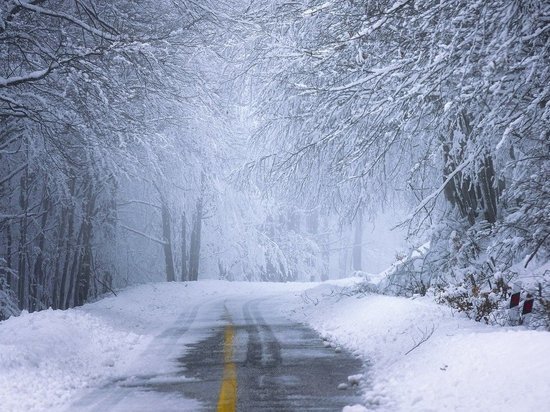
(56, 300)
(73, 274)
(325, 249)
(489, 189)
(184, 269)
(358, 242)
(194, 252)
(38, 284)
(84, 273)
(166, 234)
(470, 194)
(9, 242)
(22, 292)
(69, 241)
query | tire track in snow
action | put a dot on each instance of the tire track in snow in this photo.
(165, 345)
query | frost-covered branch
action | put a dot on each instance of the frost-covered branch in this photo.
(68, 17)
(145, 235)
(441, 188)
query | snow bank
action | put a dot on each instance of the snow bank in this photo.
(422, 357)
(45, 357)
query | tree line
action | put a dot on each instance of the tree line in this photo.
(440, 106)
(88, 90)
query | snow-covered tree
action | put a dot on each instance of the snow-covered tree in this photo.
(445, 102)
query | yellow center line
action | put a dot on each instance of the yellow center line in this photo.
(227, 401)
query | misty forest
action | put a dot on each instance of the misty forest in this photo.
(181, 140)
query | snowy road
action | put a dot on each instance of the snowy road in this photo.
(223, 346)
(232, 354)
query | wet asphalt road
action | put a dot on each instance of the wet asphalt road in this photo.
(280, 366)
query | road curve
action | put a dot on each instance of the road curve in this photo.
(238, 355)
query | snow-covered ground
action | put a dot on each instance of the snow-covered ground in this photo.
(49, 359)
(423, 357)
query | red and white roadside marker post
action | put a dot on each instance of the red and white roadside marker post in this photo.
(527, 309)
(513, 311)
(518, 317)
